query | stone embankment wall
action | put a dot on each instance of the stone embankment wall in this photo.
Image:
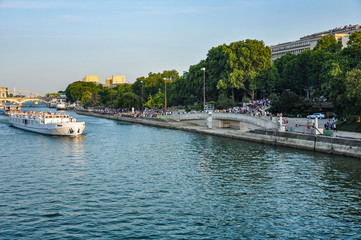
(316, 143)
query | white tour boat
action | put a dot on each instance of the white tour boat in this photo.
(61, 106)
(47, 123)
(11, 109)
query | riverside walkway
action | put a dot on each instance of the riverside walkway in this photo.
(347, 144)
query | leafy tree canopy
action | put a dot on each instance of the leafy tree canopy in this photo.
(328, 43)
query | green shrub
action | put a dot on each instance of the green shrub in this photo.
(349, 126)
(224, 102)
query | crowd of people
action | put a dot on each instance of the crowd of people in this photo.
(330, 125)
(255, 108)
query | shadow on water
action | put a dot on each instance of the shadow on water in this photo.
(124, 123)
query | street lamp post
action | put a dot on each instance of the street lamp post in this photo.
(111, 92)
(165, 94)
(142, 95)
(204, 88)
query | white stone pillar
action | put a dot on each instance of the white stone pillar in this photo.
(317, 130)
(209, 120)
(281, 128)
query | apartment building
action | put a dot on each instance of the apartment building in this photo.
(115, 80)
(309, 41)
(91, 78)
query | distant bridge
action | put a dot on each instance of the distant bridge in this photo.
(22, 96)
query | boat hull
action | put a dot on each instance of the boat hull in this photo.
(61, 106)
(56, 129)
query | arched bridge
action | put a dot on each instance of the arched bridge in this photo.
(21, 96)
(226, 120)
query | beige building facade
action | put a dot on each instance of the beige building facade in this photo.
(91, 78)
(118, 79)
(309, 41)
(115, 80)
(3, 92)
(108, 81)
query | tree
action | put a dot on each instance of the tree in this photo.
(246, 61)
(159, 99)
(216, 70)
(150, 102)
(224, 102)
(86, 96)
(90, 99)
(155, 81)
(285, 103)
(267, 79)
(355, 40)
(79, 90)
(351, 56)
(283, 82)
(328, 43)
(192, 82)
(318, 69)
(338, 90)
(129, 100)
(353, 90)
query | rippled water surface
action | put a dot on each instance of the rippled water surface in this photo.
(128, 181)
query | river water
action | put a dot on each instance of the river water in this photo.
(128, 181)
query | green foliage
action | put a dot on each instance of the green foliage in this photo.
(224, 102)
(283, 82)
(157, 102)
(355, 40)
(267, 79)
(286, 103)
(328, 43)
(159, 99)
(196, 107)
(150, 103)
(353, 90)
(86, 97)
(273, 97)
(82, 91)
(246, 60)
(345, 91)
(54, 94)
(151, 84)
(129, 100)
(243, 69)
(230, 68)
(350, 126)
(337, 89)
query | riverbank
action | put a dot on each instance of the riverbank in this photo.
(317, 143)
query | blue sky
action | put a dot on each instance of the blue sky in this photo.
(46, 45)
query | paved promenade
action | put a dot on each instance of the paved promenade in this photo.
(321, 122)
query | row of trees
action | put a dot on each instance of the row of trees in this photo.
(243, 71)
(326, 72)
